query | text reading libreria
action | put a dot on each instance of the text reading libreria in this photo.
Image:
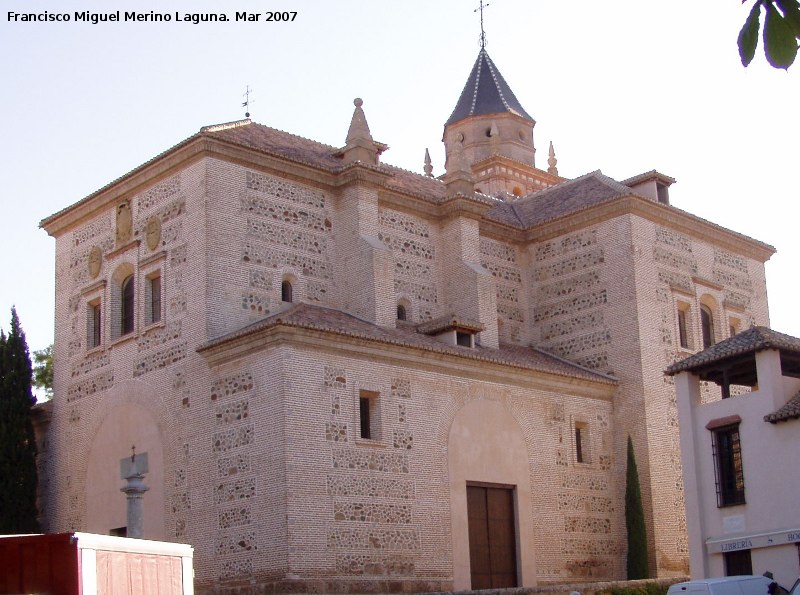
(145, 17)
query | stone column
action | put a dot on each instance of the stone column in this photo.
(132, 470)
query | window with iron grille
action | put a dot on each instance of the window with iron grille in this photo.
(728, 465)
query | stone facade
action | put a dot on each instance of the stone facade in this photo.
(249, 400)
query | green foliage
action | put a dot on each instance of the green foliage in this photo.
(648, 588)
(43, 370)
(17, 441)
(781, 32)
(634, 521)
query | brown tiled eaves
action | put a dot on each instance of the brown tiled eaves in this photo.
(754, 339)
(789, 411)
(424, 187)
(277, 142)
(449, 322)
(307, 316)
(649, 175)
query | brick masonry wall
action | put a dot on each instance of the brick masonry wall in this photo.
(372, 510)
(606, 297)
(262, 468)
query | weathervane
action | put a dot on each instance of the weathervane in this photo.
(246, 103)
(483, 33)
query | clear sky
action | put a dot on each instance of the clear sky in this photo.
(624, 86)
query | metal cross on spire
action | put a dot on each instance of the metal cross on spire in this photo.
(481, 6)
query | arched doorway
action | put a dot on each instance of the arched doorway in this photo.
(126, 425)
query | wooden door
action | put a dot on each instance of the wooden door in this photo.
(492, 538)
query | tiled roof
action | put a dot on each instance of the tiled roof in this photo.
(449, 322)
(333, 321)
(431, 189)
(270, 140)
(789, 411)
(649, 175)
(754, 339)
(486, 92)
(562, 199)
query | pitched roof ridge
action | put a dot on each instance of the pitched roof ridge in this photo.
(653, 173)
(560, 185)
(310, 140)
(477, 81)
(491, 66)
(226, 125)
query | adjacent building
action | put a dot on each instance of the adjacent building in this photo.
(740, 444)
(346, 375)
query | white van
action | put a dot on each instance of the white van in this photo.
(729, 585)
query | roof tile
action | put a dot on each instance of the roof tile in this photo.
(486, 92)
(333, 321)
(754, 339)
(789, 411)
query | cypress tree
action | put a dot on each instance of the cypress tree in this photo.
(17, 442)
(634, 521)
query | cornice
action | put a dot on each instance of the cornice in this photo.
(411, 203)
(181, 157)
(372, 351)
(361, 173)
(109, 256)
(483, 117)
(707, 283)
(126, 186)
(671, 217)
(531, 170)
(463, 206)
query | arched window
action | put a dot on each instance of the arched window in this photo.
(401, 312)
(126, 306)
(707, 324)
(286, 291)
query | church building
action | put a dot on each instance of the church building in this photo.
(350, 377)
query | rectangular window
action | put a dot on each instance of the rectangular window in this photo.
(94, 319)
(707, 326)
(581, 443)
(369, 415)
(153, 298)
(738, 563)
(728, 465)
(363, 411)
(463, 339)
(683, 333)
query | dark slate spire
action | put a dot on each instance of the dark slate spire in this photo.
(486, 92)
